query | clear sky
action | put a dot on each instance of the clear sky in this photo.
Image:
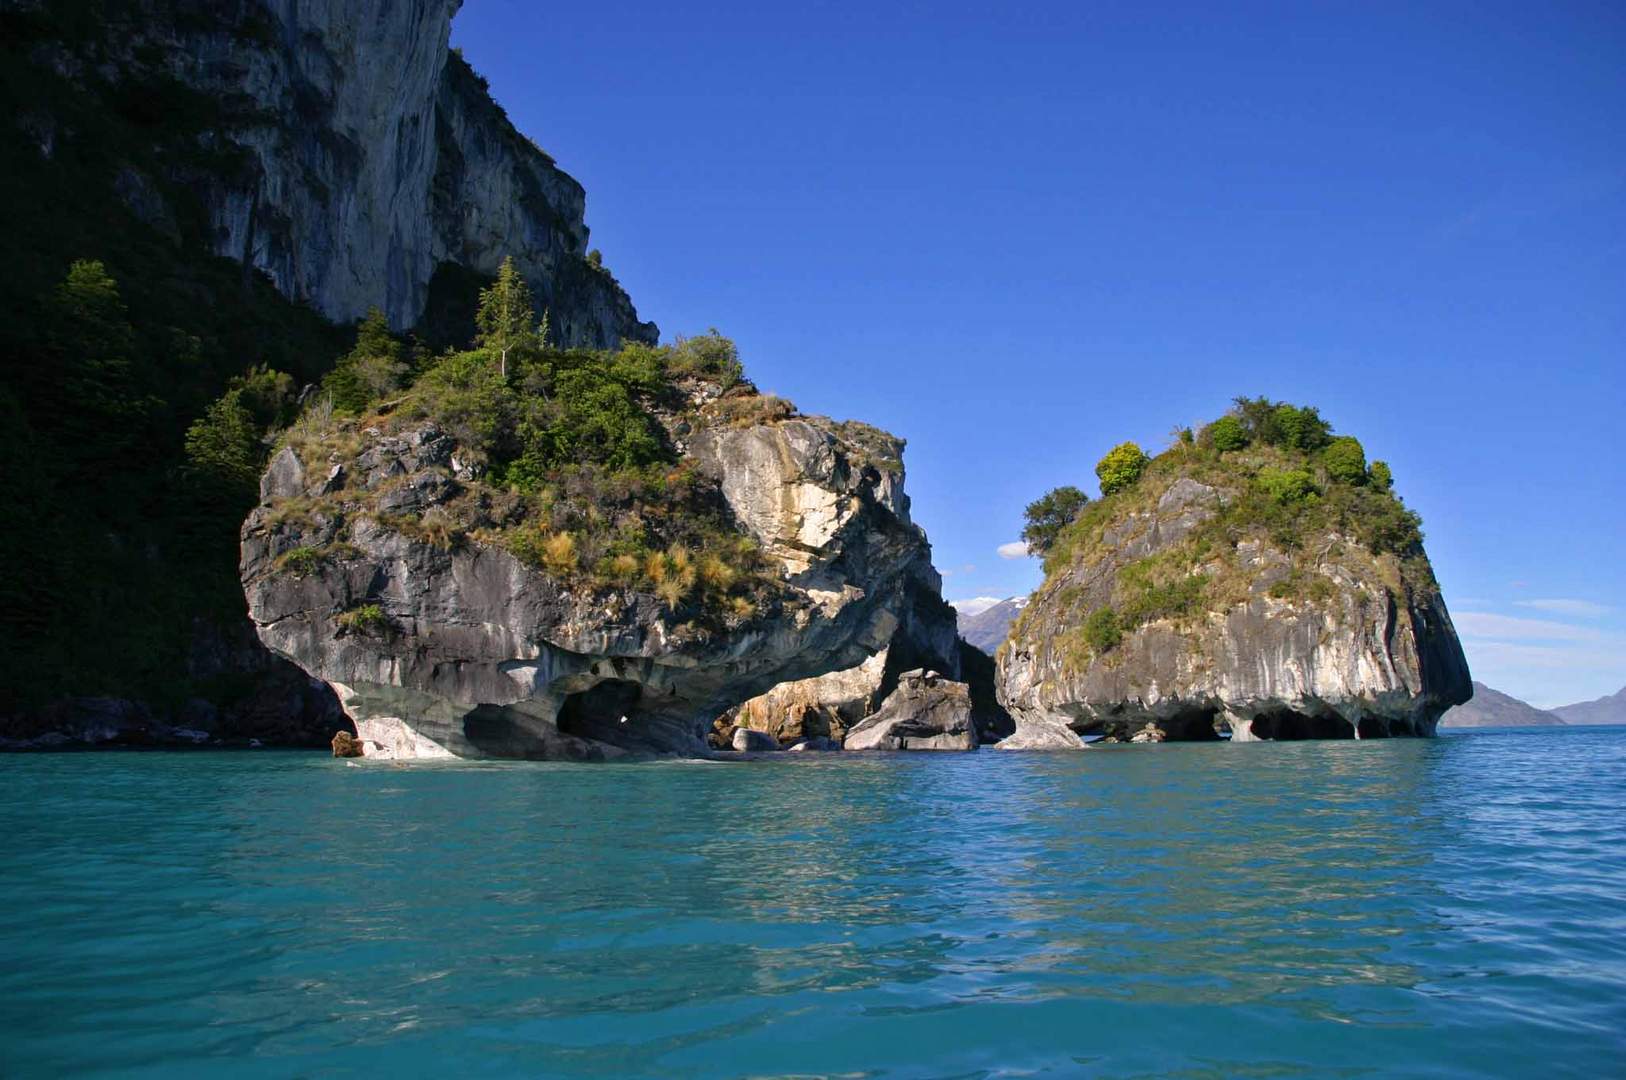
(1017, 234)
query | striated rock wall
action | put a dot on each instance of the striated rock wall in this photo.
(476, 654)
(352, 155)
(1360, 652)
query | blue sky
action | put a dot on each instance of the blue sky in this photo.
(1019, 234)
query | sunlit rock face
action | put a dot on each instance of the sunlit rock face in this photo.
(358, 155)
(1364, 653)
(476, 654)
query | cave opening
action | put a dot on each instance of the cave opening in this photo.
(605, 712)
(1286, 725)
(1192, 725)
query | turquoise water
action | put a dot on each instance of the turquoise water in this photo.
(1447, 908)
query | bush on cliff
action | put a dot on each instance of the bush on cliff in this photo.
(1121, 467)
(1050, 513)
(575, 468)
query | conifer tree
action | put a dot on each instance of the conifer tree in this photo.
(506, 318)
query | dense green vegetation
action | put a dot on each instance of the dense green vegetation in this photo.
(1121, 467)
(1290, 482)
(572, 467)
(1047, 515)
(116, 333)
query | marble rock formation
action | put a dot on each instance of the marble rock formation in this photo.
(925, 712)
(469, 652)
(1365, 653)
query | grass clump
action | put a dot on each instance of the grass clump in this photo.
(300, 561)
(364, 619)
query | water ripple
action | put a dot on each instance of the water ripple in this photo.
(1445, 908)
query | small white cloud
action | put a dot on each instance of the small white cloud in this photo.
(976, 605)
(1585, 609)
(1480, 624)
(1016, 549)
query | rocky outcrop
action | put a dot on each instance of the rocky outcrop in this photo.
(462, 649)
(1328, 640)
(925, 712)
(352, 157)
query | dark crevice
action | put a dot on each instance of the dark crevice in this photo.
(1286, 725)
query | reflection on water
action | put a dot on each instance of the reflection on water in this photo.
(1453, 906)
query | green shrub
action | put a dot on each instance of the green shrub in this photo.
(366, 619)
(370, 371)
(1121, 467)
(300, 561)
(1227, 433)
(1345, 460)
(1050, 513)
(1300, 427)
(1381, 476)
(1286, 486)
(710, 354)
(1276, 423)
(1102, 631)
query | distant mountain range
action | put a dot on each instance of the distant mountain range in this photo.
(1604, 710)
(1492, 708)
(985, 621)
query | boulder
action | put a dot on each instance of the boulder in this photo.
(925, 712)
(346, 745)
(749, 741)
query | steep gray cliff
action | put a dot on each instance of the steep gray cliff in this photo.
(351, 156)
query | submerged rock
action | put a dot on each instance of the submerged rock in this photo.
(1194, 604)
(925, 712)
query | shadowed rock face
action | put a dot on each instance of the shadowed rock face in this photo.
(477, 654)
(1369, 656)
(367, 158)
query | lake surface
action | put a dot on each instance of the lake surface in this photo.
(1442, 908)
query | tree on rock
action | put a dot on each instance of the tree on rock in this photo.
(1228, 433)
(1049, 514)
(1121, 467)
(371, 370)
(1345, 460)
(506, 319)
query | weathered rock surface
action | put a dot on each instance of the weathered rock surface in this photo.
(473, 653)
(925, 712)
(746, 740)
(1365, 655)
(365, 157)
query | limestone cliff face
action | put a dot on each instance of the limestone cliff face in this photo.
(474, 653)
(1330, 641)
(353, 155)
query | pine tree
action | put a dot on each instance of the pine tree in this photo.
(505, 319)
